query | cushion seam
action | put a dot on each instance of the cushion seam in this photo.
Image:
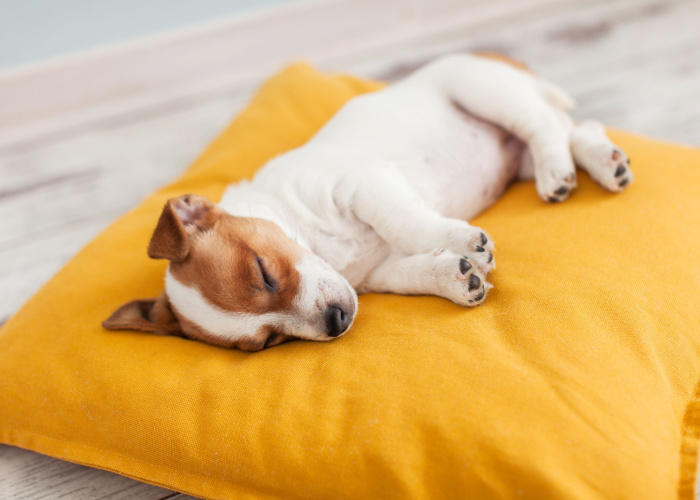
(690, 439)
(43, 439)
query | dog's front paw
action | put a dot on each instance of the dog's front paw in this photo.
(476, 246)
(460, 279)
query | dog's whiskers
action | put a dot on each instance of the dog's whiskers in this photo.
(251, 219)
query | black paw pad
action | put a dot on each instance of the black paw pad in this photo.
(464, 266)
(623, 182)
(553, 199)
(484, 239)
(474, 282)
(620, 171)
(479, 249)
(481, 295)
(562, 191)
(490, 258)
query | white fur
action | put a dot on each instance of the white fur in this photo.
(228, 325)
(592, 150)
(320, 288)
(395, 174)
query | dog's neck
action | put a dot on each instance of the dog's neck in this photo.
(244, 200)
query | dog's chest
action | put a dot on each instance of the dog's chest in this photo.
(353, 249)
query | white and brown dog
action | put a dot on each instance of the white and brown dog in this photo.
(376, 201)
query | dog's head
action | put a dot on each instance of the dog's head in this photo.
(237, 282)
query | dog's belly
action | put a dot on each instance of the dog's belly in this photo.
(465, 167)
(459, 164)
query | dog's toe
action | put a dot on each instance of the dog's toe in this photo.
(479, 297)
(614, 172)
(474, 282)
(608, 165)
(475, 247)
(560, 189)
(481, 254)
(460, 278)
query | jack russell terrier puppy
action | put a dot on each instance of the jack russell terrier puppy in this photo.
(376, 201)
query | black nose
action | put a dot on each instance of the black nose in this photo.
(337, 320)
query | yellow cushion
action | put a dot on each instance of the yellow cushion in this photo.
(576, 378)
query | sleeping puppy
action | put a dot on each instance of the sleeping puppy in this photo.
(376, 201)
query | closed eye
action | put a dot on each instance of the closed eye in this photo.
(270, 283)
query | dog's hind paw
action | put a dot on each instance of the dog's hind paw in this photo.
(562, 188)
(606, 162)
(609, 166)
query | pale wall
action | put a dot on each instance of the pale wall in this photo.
(35, 30)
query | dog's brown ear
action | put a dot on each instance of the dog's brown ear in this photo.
(152, 315)
(180, 217)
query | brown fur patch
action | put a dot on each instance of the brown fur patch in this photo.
(151, 315)
(263, 338)
(160, 317)
(222, 264)
(170, 239)
(505, 59)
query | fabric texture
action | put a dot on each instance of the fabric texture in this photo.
(576, 379)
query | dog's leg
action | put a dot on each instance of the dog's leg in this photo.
(593, 151)
(440, 272)
(387, 202)
(522, 104)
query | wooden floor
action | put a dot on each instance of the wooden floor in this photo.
(634, 64)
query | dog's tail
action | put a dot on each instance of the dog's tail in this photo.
(557, 96)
